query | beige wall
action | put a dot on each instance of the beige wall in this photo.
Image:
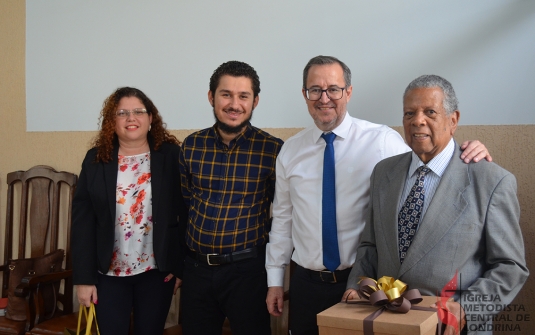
(20, 150)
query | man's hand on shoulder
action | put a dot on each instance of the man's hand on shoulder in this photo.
(474, 151)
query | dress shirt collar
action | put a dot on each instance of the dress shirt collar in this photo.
(438, 164)
(341, 131)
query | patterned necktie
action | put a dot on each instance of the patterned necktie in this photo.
(409, 215)
(331, 255)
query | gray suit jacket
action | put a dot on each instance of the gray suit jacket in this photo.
(471, 225)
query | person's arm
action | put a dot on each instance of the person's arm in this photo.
(473, 150)
(273, 176)
(505, 259)
(280, 246)
(184, 177)
(83, 230)
(366, 262)
(393, 144)
(183, 213)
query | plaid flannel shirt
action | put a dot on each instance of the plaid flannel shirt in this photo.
(229, 190)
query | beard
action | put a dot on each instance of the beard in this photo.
(228, 129)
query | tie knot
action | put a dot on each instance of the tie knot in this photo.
(329, 138)
(423, 170)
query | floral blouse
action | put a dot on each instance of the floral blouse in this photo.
(133, 251)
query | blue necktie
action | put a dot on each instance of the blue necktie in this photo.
(410, 213)
(331, 255)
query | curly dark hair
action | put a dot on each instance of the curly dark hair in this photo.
(106, 137)
(235, 68)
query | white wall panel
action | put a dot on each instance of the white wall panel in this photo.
(78, 52)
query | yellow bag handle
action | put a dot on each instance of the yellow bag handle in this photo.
(88, 319)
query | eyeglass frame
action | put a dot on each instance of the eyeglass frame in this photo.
(132, 112)
(327, 94)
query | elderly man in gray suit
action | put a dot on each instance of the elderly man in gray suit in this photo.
(432, 216)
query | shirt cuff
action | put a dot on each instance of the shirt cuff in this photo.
(275, 277)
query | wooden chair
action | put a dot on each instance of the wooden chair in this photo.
(44, 202)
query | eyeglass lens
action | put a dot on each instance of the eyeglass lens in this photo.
(333, 93)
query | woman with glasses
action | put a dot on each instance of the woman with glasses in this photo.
(128, 218)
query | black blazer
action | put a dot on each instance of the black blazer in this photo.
(93, 214)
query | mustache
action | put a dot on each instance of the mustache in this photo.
(232, 109)
(320, 105)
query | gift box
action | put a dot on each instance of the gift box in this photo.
(345, 318)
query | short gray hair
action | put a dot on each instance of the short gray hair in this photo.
(450, 101)
(326, 60)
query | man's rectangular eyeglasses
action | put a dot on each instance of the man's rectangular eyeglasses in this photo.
(123, 113)
(333, 93)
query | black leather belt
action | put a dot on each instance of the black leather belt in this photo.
(326, 276)
(220, 259)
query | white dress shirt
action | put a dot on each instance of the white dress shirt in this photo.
(358, 146)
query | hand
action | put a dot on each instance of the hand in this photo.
(474, 151)
(275, 301)
(86, 294)
(350, 294)
(178, 282)
(456, 311)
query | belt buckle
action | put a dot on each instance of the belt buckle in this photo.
(208, 258)
(327, 271)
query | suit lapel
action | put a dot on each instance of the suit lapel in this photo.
(445, 208)
(110, 176)
(156, 175)
(390, 197)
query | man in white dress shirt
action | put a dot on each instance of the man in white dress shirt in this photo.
(297, 208)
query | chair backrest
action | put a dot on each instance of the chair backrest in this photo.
(44, 201)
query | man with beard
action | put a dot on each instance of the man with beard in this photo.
(228, 181)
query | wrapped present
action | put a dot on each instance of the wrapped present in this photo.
(386, 307)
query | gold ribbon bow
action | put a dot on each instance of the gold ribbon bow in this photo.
(388, 292)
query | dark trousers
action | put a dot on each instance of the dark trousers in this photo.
(309, 295)
(236, 291)
(146, 294)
